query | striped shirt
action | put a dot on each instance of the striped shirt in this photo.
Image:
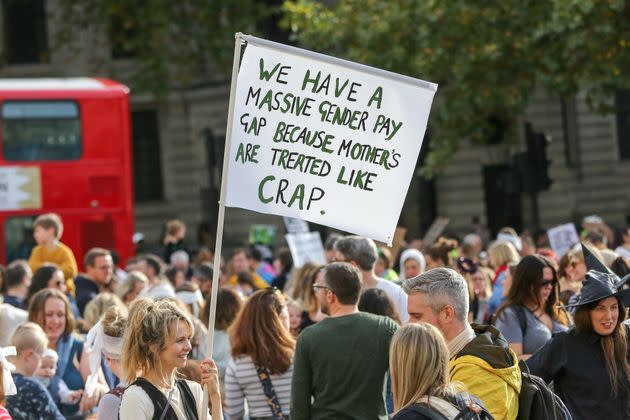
(242, 383)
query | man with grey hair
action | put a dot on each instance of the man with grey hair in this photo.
(362, 253)
(479, 355)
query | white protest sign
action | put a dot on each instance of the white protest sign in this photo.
(306, 247)
(20, 188)
(323, 139)
(434, 232)
(294, 225)
(562, 238)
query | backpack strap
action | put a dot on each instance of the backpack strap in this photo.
(462, 401)
(270, 393)
(187, 397)
(519, 310)
(162, 409)
(426, 411)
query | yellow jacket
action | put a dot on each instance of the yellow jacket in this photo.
(489, 369)
(60, 255)
(258, 281)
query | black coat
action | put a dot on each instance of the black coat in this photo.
(575, 363)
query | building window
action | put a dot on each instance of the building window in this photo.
(147, 164)
(622, 101)
(122, 35)
(25, 34)
(41, 130)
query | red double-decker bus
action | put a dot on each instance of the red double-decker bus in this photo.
(65, 148)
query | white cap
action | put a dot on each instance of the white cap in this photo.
(137, 237)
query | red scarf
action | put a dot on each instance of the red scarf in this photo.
(497, 273)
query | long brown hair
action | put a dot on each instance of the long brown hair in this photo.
(527, 281)
(614, 346)
(441, 251)
(376, 301)
(258, 332)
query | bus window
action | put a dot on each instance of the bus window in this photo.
(19, 237)
(41, 130)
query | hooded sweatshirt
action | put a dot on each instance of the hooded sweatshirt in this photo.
(489, 369)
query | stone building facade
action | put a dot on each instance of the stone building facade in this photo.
(178, 144)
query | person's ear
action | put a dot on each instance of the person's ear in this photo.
(330, 296)
(448, 313)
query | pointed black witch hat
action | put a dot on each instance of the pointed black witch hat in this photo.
(600, 283)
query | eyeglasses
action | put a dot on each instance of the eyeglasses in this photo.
(547, 283)
(319, 286)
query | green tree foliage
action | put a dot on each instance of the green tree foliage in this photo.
(172, 43)
(487, 56)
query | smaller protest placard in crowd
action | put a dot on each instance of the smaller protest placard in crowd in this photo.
(262, 234)
(294, 225)
(434, 232)
(562, 238)
(306, 247)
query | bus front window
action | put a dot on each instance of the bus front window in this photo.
(41, 130)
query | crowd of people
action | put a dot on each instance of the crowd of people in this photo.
(435, 330)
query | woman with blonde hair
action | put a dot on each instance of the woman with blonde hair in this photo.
(133, 286)
(155, 344)
(261, 366)
(105, 340)
(95, 309)
(502, 254)
(296, 286)
(418, 365)
(312, 313)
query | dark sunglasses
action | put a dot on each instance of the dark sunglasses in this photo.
(547, 283)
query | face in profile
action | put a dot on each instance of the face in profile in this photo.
(57, 281)
(321, 290)
(420, 310)
(175, 355)
(546, 288)
(285, 317)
